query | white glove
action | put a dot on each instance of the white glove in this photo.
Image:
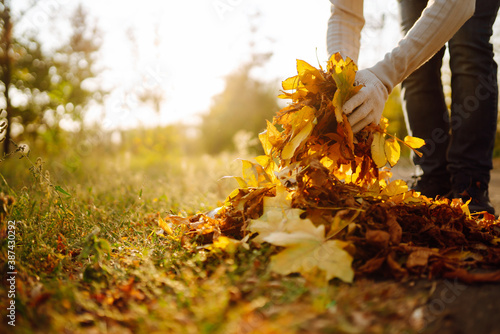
(367, 105)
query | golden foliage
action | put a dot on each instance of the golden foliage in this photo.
(319, 183)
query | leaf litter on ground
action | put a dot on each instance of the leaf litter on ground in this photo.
(323, 196)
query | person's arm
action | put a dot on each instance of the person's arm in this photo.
(436, 26)
(438, 23)
(344, 28)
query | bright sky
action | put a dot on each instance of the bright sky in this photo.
(201, 41)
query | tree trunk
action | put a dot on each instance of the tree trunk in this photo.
(6, 64)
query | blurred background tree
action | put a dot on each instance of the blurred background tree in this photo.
(74, 72)
(6, 47)
(149, 90)
(240, 111)
(244, 104)
(42, 87)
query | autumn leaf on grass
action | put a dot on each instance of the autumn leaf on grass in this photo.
(272, 221)
(278, 213)
(228, 245)
(164, 226)
(306, 250)
(173, 220)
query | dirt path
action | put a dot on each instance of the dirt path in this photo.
(455, 308)
(476, 308)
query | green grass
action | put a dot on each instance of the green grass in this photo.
(94, 262)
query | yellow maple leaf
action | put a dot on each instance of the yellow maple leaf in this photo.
(307, 80)
(282, 199)
(254, 174)
(301, 118)
(344, 74)
(309, 76)
(273, 220)
(270, 138)
(414, 142)
(277, 211)
(241, 182)
(394, 188)
(234, 196)
(290, 147)
(266, 144)
(378, 150)
(307, 250)
(269, 166)
(273, 134)
(291, 83)
(392, 151)
(285, 95)
(226, 244)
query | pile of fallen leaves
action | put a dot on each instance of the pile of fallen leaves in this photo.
(324, 197)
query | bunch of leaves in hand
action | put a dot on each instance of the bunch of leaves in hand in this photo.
(314, 127)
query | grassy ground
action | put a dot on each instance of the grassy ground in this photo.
(94, 262)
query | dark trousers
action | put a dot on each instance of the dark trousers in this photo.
(460, 142)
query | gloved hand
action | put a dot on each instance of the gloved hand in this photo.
(367, 105)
